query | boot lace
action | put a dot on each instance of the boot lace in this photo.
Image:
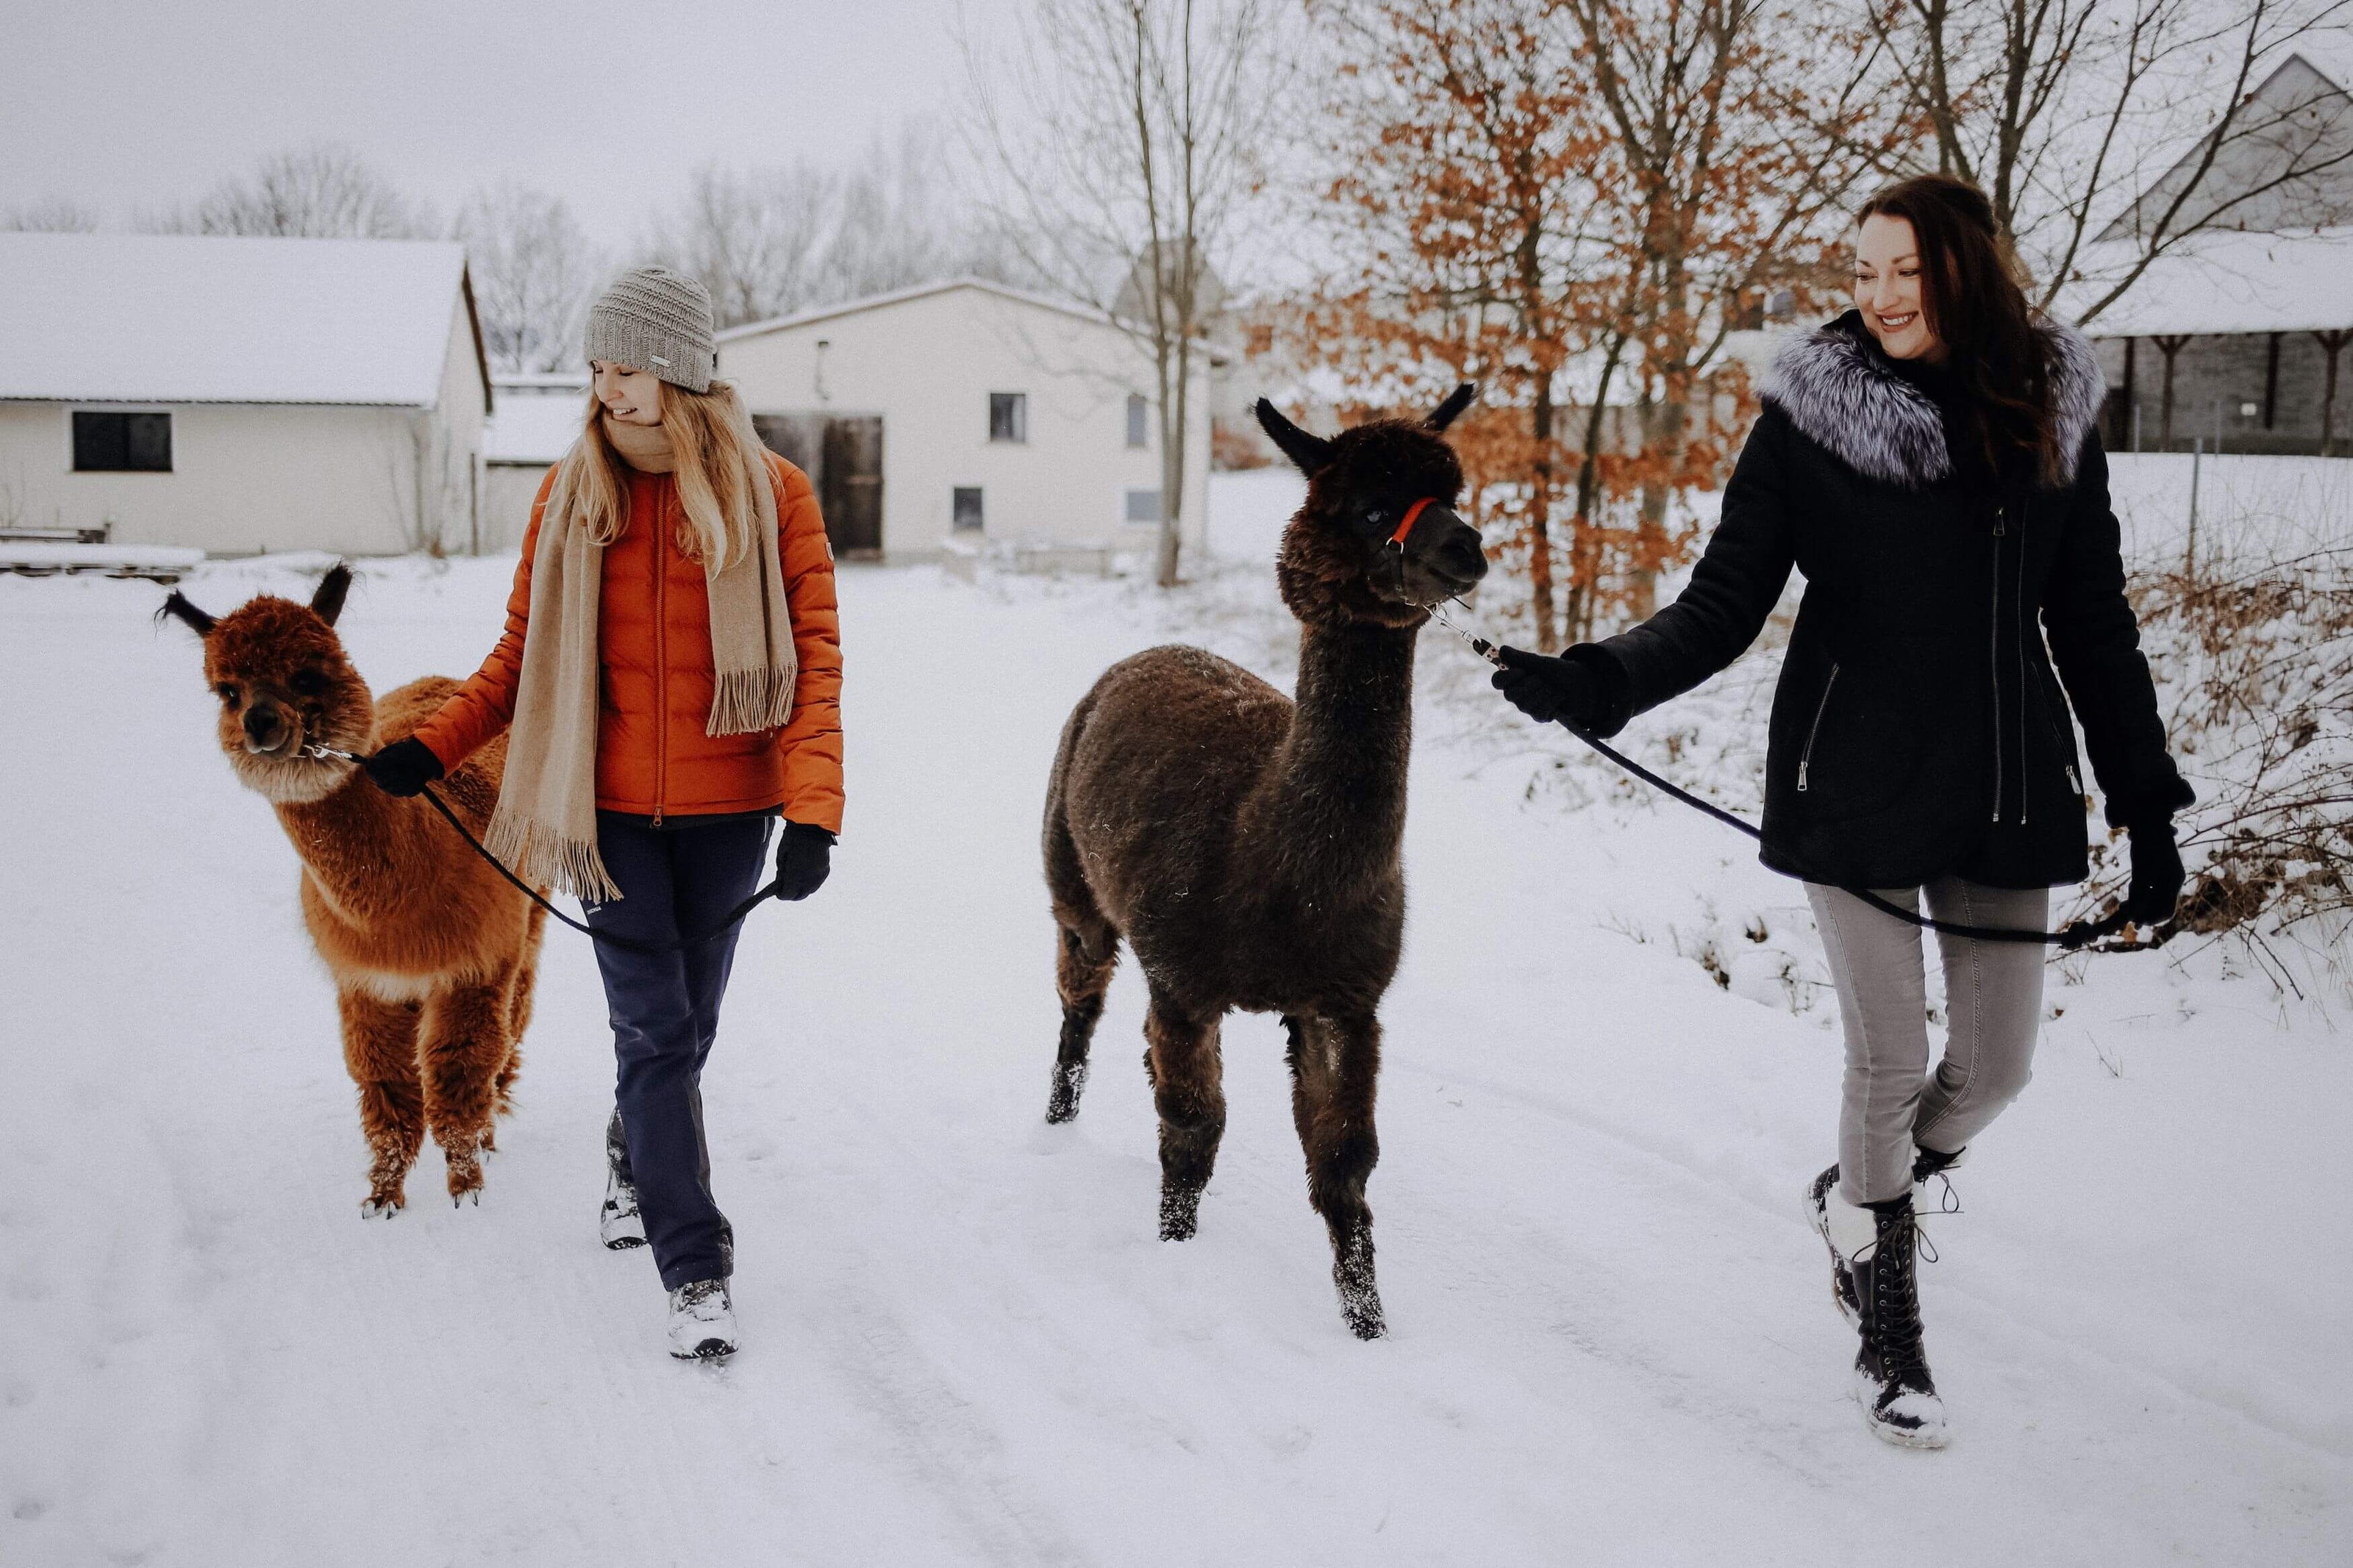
(1891, 1309)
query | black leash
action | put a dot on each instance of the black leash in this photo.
(2074, 938)
(735, 918)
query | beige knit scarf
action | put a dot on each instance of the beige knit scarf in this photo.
(545, 825)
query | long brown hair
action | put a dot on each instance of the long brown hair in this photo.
(717, 460)
(1970, 293)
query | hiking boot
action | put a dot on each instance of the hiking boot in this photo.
(1925, 1163)
(701, 1321)
(618, 1222)
(1891, 1382)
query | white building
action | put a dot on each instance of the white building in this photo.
(964, 412)
(239, 394)
(535, 422)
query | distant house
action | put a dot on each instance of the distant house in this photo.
(964, 412)
(537, 419)
(2233, 337)
(239, 395)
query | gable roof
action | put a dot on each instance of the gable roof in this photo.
(147, 318)
(2297, 118)
(921, 292)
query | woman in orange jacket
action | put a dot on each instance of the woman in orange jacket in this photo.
(670, 680)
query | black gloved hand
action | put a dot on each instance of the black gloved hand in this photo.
(2157, 875)
(804, 860)
(403, 768)
(1546, 687)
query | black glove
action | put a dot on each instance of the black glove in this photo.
(2157, 875)
(403, 768)
(804, 860)
(1546, 687)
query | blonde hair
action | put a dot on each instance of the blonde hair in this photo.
(718, 461)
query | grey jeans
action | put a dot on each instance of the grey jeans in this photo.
(1993, 1004)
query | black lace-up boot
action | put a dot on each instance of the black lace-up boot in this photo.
(1890, 1370)
(1822, 1192)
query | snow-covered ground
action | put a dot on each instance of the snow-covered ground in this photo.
(1611, 1336)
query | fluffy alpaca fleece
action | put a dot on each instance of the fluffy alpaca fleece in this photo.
(1884, 428)
(1247, 846)
(432, 954)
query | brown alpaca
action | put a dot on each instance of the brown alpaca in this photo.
(433, 955)
(1247, 847)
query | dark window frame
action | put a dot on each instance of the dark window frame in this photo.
(978, 512)
(1009, 418)
(119, 440)
(1139, 421)
(1128, 497)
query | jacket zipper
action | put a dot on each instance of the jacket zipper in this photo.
(2018, 635)
(1993, 654)
(661, 662)
(1806, 759)
(2056, 709)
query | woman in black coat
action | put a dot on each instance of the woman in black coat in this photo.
(1929, 461)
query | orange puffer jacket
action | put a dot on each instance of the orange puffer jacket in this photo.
(653, 758)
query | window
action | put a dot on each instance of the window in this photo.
(1137, 410)
(1008, 416)
(1144, 506)
(966, 512)
(110, 443)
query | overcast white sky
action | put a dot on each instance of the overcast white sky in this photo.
(123, 106)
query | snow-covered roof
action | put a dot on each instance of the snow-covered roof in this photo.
(537, 419)
(145, 318)
(2228, 282)
(920, 291)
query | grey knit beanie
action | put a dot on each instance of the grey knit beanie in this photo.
(656, 320)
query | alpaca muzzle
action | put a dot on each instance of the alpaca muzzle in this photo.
(267, 732)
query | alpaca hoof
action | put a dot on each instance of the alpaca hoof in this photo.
(457, 1200)
(1181, 1213)
(381, 1207)
(1365, 1319)
(1360, 1298)
(1070, 1082)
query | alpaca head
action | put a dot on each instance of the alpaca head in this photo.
(1341, 562)
(285, 687)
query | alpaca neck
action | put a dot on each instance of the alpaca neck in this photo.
(1339, 782)
(346, 841)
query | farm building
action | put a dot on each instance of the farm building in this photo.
(238, 395)
(964, 414)
(2232, 337)
(535, 422)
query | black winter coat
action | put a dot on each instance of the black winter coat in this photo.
(1917, 731)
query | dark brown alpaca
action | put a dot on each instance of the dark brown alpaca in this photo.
(1247, 847)
(433, 955)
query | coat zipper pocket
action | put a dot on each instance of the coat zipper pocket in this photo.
(2055, 707)
(1806, 759)
(1993, 653)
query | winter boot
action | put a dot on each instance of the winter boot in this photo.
(1891, 1368)
(701, 1321)
(1925, 1163)
(619, 1223)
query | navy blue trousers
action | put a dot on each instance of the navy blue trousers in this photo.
(665, 1014)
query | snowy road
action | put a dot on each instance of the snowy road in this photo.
(1612, 1341)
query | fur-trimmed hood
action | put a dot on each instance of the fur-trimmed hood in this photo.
(1842, 396)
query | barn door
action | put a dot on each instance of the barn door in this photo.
(851, 490)
(843, 458)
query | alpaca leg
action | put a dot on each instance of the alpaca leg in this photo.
(1187, 1072)
(1082, 968)
(1335, 1068)
(380, 1052)
(519, 997)
(461, 1047)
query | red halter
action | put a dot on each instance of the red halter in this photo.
(1413, 516)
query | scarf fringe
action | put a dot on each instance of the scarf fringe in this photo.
(547, 858)
(744, 700)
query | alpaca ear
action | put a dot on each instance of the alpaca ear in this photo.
(1309, 453)
(328, 602)
(1456, 402)
(178, 606)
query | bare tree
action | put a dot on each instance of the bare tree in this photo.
(1119, 138)
(51, 214)
(2055, 109)
(319, 192)
(756, 238)
(534, 269)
